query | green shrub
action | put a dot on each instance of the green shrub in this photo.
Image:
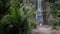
(32, 24)
(15, 20)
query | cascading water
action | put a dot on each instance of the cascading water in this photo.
(39, 16)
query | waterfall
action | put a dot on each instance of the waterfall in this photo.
(39, 16)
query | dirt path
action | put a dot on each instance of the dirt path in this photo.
(45, 30)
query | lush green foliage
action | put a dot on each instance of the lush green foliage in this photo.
(16, 19)
(55, 11)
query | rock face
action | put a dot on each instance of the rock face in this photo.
(46, 13)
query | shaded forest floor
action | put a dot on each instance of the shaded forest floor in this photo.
(44, 29)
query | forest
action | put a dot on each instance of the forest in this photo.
(19, 16)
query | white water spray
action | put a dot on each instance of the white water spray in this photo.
(39, 16)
